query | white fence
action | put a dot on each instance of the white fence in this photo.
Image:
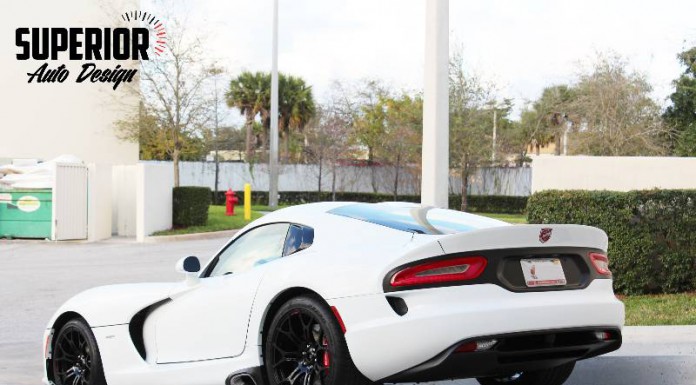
(381, 179)
(142, 193)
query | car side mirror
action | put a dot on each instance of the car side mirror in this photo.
(189, 266)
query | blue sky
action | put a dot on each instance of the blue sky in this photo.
(522, 46)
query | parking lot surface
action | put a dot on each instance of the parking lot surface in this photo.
(37, 277)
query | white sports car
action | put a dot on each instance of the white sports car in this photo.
(352, 294)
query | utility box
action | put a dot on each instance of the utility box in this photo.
(26, 213)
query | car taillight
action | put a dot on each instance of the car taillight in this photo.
(475, 346)
(445, 271)
(600, 263)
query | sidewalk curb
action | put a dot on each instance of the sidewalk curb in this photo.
(190, 237)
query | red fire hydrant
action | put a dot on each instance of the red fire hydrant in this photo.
(230, 200)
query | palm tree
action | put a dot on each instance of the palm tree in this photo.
(296, 108)
(248, 92)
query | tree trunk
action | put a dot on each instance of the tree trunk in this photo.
(319, 183)
(286, 147)
(217, 175)
(264, 148)
(249, 137)
(333, 181)
(557, 139)
(373, 176)
(175, 162)
(397, 167)
(464, 172)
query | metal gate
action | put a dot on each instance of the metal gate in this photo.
(70, 202)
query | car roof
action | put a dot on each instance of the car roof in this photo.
(402, 216)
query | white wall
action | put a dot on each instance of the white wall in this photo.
(99, 206)
(612, 173)
(153, 198)
(123, 194)
(49, 119)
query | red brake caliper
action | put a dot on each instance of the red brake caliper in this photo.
(327, 360)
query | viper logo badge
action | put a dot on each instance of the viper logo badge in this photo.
(545, 235)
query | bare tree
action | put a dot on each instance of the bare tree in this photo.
(173, 91)
(612, 112)
(470, 121)
(328, 137)
(402, 140)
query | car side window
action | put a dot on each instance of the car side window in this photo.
(294, 240)
(299, 238)
(258, 246)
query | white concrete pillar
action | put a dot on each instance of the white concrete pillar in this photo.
(273, 161)
(99, 209)
(435, 172)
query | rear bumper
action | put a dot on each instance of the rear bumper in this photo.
(518, 352)
(383, 344)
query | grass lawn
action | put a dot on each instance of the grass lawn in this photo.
(217, 221)
(509, 218)
(667, 309)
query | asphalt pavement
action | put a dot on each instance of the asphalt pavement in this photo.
(36, 277)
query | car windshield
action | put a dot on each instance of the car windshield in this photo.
(416, 218)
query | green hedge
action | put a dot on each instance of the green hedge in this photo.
(477, 203)
(191, 206)
(652, 234)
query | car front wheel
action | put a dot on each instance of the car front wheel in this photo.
(304, 345)
(553, 376)
(75, 359)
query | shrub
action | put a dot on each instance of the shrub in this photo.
(191, 206)
(652, 234)
(477, 203)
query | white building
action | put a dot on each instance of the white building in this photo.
(45, 120)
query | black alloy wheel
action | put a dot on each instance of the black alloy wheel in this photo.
(305, 346)
(75, 359)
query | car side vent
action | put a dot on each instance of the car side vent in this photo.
(398, 305)
(135, 327)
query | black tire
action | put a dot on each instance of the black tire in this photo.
(75, 359)
(553, 376)
(300, 325)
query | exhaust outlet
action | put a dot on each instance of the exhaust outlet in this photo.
(245, 377)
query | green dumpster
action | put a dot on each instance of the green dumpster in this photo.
(26, 213)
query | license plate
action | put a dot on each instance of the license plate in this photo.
(540, 272)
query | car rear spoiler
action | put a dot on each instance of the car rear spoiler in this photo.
(525, 236)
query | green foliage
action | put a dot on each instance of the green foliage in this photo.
(478, 203)
(652, 245)
(370, 117)
(496, 204)
(546, 120)
(251, 94)
(157, 142)
(681, 115)
(191, 206)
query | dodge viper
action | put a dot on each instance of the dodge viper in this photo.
(353, 294)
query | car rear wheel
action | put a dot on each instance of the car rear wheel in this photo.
(554, 376)
(304, 345)
(75, 359)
